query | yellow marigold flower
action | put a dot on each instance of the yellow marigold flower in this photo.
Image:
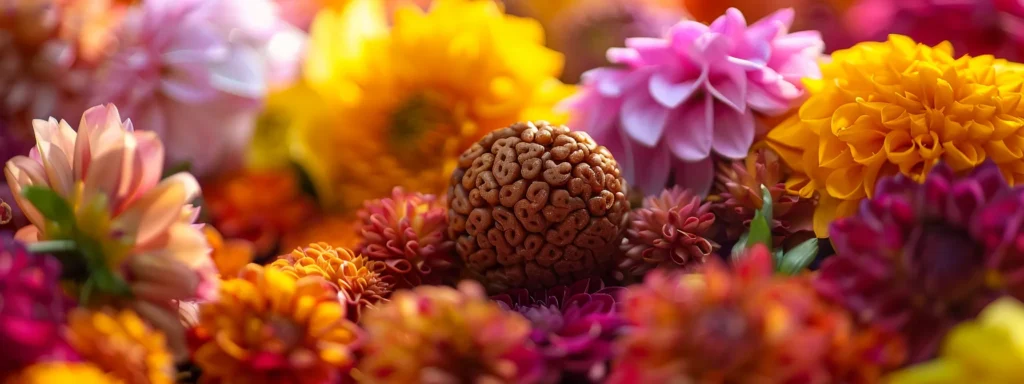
(122, 345)
(987, 350)
(407, 99)
(360, 281)
(267, 327)
(883, 108)
(78, 373)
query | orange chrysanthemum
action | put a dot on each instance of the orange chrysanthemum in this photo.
(259, 206)
(231, 255)
(122, 345)
(359, 280)
(268, 327)
(891, 107)
(434, 334)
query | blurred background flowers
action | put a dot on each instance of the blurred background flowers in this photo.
(304, 191)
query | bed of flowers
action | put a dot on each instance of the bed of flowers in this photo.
(518, 191)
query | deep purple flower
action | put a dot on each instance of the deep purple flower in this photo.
(919, 258)
(574, 326)
(33, 308)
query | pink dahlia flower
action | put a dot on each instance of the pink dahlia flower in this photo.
(693, 93)
(141, 227)
(196, 71)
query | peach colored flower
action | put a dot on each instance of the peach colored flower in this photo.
(135, 232)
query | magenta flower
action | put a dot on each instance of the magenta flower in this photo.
(195, 72)
(919, 258)
(34, 308)
(574, 326)
(694, 93)
(974, 27)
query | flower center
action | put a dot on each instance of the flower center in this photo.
(950, 263)
(420, 129)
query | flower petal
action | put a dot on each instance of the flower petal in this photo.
(733, 133)
(643, 119)
(154, 212)
(691, 134)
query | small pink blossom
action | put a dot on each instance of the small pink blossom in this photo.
(693, 93)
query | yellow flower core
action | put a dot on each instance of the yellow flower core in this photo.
(268, 327)
(987, 350)
(77, 373)
(884, 108)
(407, 99)
(122, 345)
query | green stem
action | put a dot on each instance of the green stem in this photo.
(53, 246)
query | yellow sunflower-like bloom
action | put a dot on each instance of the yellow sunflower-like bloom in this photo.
(883, 108)
(78, 373)
(989, 350)
(405, 100)
(268, 327)
(120, 344)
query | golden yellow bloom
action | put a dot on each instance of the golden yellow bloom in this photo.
(267, 327)
(122, 345)
(77, 373)
(987, 350)
(359, 279)
(883, 108)
(407, 99)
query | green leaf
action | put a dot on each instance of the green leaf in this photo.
(51, 205)
(741, 245)
(54, 246)
(760, 231)
(777, 256)
(767, 208)
(798, 258)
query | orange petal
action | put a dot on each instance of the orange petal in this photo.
(824, 214)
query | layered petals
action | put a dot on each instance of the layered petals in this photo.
(695, 92)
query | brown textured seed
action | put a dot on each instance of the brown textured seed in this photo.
(536, 205)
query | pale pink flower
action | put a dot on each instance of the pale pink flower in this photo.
(146, 226)
(196, 72)
(692, 94)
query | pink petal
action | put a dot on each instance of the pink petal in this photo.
(241, 74)
(652, 51)
(683, 34)
(188, 245)
(728, 84)
(22, 171)
(643, 119)
(105, 172)
(732, 24)
(734, 133)
(151, 156)
(778, 21)
(58, 168)
(624, 56)
(155, 211)
(690, 134)
(671, 94)
(652, 176)
(616, 143)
